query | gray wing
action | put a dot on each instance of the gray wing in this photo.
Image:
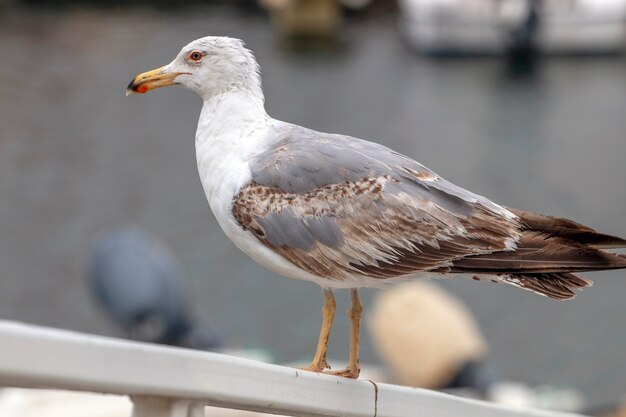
(337, 206)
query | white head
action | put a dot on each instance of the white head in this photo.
(210, 66)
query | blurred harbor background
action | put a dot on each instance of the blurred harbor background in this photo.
(78, 158)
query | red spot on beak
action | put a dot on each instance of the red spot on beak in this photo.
(142, 89)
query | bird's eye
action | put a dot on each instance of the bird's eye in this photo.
(196, 56)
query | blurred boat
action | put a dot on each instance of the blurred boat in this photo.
(305, 18)
(309, 19)
(495, 26)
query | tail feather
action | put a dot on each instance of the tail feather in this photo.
(559, 286)
(541, 253)
(549, 250)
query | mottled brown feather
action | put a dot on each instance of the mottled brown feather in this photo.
(385, 234)
(546, 251)
(339, 207)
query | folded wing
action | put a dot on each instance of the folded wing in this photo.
(339, 207)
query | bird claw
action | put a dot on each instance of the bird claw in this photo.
(346, 373)
(316, 367)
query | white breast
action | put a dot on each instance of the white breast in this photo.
(222, 154)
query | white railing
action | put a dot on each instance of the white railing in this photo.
(173, 382)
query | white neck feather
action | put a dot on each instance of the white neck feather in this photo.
(232, 128)
(229, 113)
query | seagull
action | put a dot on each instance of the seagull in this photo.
(347, 213)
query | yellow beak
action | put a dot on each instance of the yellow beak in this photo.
(150, 80)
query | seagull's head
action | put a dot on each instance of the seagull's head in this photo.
(209, 66)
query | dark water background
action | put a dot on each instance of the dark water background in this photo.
(77, 157)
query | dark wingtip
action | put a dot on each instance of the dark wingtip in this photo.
(568, 229)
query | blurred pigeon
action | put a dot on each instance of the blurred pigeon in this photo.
(139, 284)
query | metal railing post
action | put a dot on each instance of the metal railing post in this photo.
(166, 407)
